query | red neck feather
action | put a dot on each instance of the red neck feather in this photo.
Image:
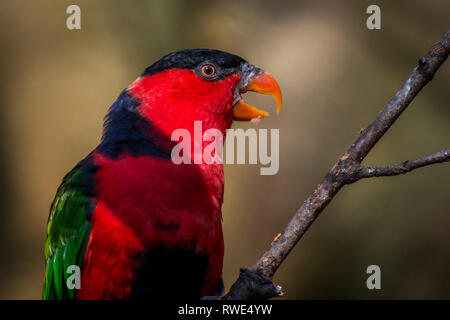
(176, 98)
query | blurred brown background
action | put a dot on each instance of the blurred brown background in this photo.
(56, 86)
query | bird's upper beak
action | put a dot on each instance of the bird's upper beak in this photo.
(261, 82)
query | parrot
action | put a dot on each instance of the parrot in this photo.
(137, 225)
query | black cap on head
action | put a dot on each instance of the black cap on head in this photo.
(193, 59)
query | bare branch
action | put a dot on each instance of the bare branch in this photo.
(404, 167)
(253, 282)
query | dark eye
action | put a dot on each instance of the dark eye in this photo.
(208, 70)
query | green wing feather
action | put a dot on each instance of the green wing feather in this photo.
(68, 231)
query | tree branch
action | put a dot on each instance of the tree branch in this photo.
(256, 282)
(404, 167)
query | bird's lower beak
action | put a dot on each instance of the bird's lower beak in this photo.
(262, 83)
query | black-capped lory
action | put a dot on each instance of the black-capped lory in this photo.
(135, 223)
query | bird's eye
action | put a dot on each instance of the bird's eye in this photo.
(208, 70)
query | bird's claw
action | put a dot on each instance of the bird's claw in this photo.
(252, 286)
(211, 298)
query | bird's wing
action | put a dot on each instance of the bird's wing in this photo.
(68, 231)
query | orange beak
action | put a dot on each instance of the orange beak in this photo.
(262, 83)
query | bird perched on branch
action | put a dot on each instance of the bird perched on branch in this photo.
(136, 224)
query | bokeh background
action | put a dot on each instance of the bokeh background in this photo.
(56, 86)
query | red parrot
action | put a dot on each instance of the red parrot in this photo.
(137, 224)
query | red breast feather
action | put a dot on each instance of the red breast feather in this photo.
(146, 202)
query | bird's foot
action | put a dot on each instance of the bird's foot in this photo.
(211, 298)
(253, 286)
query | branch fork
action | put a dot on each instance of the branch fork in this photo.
(255, 282)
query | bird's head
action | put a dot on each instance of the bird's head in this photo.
(200, 85)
